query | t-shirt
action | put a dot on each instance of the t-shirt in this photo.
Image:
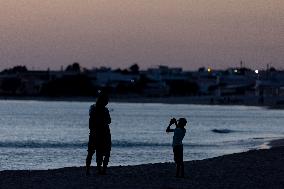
(99, 118)
(178, 136)
(99, 127)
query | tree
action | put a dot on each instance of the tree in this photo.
(272, 69)
(75, 67)
(201, 69)
(16, 69)
(134, 68)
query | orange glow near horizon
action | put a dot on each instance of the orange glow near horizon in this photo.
(185, 33)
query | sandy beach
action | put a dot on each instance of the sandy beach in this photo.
(253, 169)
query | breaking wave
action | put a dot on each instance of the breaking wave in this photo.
(223, 131)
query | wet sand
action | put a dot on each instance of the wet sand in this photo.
(253, 169)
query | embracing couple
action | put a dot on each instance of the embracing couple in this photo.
(99, 136)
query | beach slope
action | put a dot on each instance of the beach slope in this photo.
(253, 169)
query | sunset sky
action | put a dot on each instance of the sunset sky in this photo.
(118, 33)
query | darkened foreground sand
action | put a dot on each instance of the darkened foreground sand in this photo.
(276, 143)
(253, 169)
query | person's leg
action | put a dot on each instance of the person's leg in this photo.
(91, 151)
(88, 161)
(182, 170)
(105, 161)
(99, 160)
(181, 162)
(178, 156)
(175, 150)
(177, 169)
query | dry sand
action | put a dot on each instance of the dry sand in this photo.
(253, 169)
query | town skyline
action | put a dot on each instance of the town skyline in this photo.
(231, 86)
(128, 67)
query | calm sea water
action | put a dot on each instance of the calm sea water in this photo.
(45, 135)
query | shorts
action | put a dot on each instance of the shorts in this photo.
(91, 143)
(178, 153)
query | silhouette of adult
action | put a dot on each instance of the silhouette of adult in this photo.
(99, 136)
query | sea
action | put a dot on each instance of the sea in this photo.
(54, 134)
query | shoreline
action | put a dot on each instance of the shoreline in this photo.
(194, 100)
(252, 169)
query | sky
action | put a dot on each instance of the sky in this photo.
(118, 33)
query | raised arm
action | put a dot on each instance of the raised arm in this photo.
(173, 121)
(169, 129)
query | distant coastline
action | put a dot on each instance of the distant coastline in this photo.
(269, 102)
(198, 100)
(207, 100)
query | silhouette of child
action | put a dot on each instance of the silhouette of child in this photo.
(179, 133)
